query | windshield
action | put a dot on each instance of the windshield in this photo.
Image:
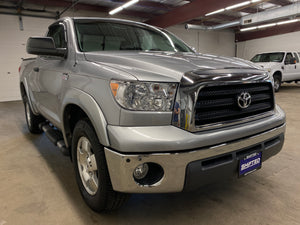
(268, 57)
(112, 36)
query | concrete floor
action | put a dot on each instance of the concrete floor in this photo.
(37, 184)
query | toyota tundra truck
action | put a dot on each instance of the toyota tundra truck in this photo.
(138, 111)
(283, 66)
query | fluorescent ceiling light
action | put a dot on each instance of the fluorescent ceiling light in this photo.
(215, 12)
(232, 7)
(270, 25)
(130, 3)
(126, 5)
(116, 10)
(238, 5)
(267, 25)
(287, 21)
(248, 28)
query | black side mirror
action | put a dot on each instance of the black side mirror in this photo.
(44, 46)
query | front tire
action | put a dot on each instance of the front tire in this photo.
(32, 120)
(91, 170)
(277, 82)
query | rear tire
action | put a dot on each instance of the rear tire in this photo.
(91, 170)
(32, 120)
(277, 82)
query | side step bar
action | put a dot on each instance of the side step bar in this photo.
(56, 137)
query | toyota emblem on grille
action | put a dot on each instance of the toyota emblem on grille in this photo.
(244, 100)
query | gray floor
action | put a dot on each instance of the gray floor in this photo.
(37, 184)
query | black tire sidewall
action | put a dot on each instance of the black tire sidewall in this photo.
(277, 77)
(33, 127)
(26, 106)
(98, 201)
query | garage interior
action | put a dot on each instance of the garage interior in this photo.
(37, 181)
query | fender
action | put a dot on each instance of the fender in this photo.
(89, 105)
(277, 68)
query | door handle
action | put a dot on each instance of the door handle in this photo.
(36, 69)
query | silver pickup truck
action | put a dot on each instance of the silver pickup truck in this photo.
(139, 111)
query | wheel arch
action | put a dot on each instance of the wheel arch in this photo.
(77, 105)
(278, 72)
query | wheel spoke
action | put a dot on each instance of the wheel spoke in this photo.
(85, 146)
(86, 177)
(92, 165)
(93, 183)
(82, 158)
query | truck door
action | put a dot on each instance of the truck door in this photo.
(289, 68)
(297, 74)
(51, 71)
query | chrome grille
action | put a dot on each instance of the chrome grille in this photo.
(219, 103)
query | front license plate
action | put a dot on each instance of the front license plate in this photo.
(250, 163)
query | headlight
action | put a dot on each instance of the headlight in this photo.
(269, 70)
(144, 96)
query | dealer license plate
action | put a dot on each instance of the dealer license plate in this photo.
(250, 163)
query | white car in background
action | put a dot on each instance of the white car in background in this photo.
(284, 66)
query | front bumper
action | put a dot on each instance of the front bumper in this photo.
(193, 168)
(149, 139)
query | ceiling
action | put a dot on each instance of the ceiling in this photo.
(162, 13)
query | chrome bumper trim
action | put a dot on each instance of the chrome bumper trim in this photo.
(121, 166)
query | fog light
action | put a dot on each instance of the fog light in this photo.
(141, 171)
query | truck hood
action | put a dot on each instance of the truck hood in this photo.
(267, 65)
(167, 66)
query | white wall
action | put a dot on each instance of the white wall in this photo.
(213, 42)
(13, 45)
(283, 42)
(13, 48)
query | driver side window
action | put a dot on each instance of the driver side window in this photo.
(58, 34)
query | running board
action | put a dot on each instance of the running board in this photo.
(56, 137)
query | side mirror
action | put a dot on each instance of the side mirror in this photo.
(44, 46)
(193, 48)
